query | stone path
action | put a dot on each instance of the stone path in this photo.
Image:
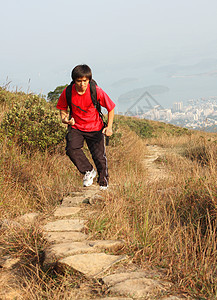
(70, 247)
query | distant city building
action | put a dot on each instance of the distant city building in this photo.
(198, 113)
(177, 106)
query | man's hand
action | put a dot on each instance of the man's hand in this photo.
(107, 131)
(71, 121)
(64, 117)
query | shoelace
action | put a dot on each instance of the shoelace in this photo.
(87, 174)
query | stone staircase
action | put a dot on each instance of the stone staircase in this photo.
(70, 247)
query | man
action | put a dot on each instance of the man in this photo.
(85, 124)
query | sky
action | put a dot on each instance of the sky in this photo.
(129, 45)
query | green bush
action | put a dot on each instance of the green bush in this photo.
(54, 96)
(33, 125)
(140, 126)
(8, 98)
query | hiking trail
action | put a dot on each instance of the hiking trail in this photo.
(155, 170)
(70, 247)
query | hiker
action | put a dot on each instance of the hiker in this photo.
(85, 124)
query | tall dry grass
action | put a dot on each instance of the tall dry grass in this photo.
(32, 182)
(30, 279)
(169, 223)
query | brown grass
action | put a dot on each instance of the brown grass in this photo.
(169, 223)
(33, 182)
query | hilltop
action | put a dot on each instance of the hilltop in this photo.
(161, 202)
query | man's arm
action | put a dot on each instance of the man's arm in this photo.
(64, 117)
(108, 130)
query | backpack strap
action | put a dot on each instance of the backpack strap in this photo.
(96, 102)
(68, 98)
(97, 105)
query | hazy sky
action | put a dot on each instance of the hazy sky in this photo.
(43, 40)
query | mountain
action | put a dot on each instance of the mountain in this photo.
(136, 93)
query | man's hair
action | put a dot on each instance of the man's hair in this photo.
(81, 71)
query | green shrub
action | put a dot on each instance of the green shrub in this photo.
(54, 96)
(33, 125)
(115, 139)
(8, 98)
(140, 126)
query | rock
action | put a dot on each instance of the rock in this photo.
(120, 277)
(11, 295)
(7, 262)
(134, 284)
(9, 284)
(91, 264)
(5, 223)
(74, 201)
(65, 236)
(73, 194)
(92, 191)
(65, 225)
(139, 288)
(28, 218)
(67, 249)
(108, 245)
(66, 211)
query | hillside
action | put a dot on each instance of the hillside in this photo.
(161, 202)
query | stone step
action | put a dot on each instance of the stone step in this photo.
(74, 201)
(30, 218)
(109, 245)
(135, 284)
(91, 265)
(67, 249)
(66, 211)
(66, 225)
(65, 236)
(71, 249)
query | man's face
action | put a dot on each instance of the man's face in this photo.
(81, 84)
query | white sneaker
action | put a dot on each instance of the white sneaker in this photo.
(103, 188)
(88, 177)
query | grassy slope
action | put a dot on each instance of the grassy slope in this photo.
(170, 224)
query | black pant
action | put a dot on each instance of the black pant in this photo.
(96, 144)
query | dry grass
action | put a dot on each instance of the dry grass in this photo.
(33, 182)
(169, 223)
(30, 279)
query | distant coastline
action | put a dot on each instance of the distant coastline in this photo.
(212, 73)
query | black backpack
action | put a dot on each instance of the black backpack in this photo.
(93, 94)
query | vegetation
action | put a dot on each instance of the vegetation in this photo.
(147, 129)
(33, 125)
(166, 223)
(53, 96)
